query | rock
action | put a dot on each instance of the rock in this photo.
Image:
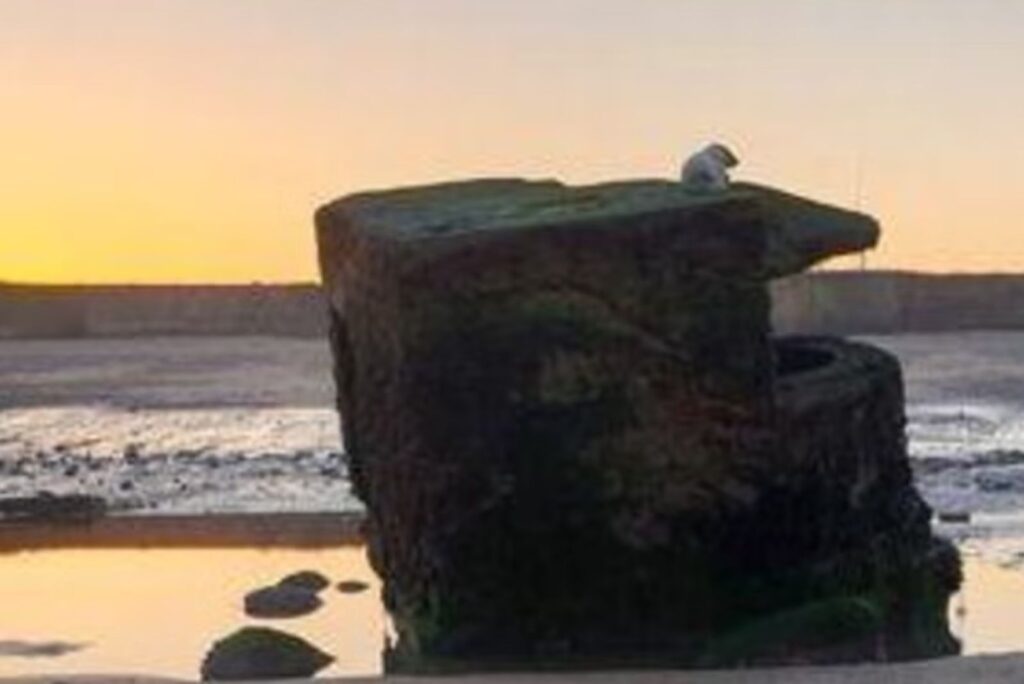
(352, 586)
(998, 481)
(309, 580)
(575, 435)
(38, 649)
(281, 601)
(262, 653)
(50, 507)
(1008, 457)
(954, 517)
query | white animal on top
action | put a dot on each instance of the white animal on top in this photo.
(708, 169)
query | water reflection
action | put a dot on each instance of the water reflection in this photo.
(986, 614)
(156, 611)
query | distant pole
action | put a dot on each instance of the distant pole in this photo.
(858, 181)
(858, 197)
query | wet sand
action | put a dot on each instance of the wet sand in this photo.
(226, 530)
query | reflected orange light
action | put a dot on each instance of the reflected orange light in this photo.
(157, 611)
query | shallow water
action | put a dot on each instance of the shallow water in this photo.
(986, 614)
(157, 611)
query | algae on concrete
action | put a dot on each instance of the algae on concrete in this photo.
(578, 442)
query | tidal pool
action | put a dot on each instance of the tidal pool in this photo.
(156, 611)
(986, 614)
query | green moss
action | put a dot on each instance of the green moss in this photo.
(426, 623)
(846, 622)
(487, 205)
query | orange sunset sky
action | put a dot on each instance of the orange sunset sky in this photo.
(191, 140)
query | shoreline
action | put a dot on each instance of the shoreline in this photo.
(218, 530)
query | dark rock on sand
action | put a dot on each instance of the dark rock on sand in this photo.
(132, 453)
(38, 649)
(309, 580)
(281, 601)
(954, 517)
(352, 586)
(997, 481)
(46, 506)
(574, 433)
(1000, 457)
(262, 653)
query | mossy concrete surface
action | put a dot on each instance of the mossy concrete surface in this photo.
(579, 444)
(794, 232)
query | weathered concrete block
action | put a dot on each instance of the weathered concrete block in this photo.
(563, 409)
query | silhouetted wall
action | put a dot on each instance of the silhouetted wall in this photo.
(97, 311)
(836, 302)
(842, 302)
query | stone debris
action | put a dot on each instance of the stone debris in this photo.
(262, 653)
(352, 586)
(281, 601)
(309, 580)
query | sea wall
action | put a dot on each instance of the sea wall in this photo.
(856, 302)
(107, 311)
(824, 302)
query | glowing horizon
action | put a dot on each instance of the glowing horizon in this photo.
(188, 141)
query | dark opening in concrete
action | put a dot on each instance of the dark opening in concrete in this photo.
(797, 356)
